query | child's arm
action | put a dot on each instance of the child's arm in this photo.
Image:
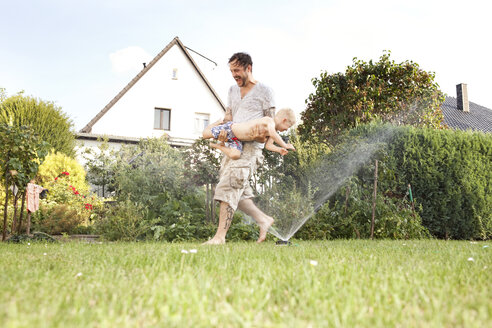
(277, 138)
(271, 147)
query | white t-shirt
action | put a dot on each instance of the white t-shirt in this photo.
(253, 105)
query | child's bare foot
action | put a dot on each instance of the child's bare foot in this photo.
(264, 226)
(216, 145)
(215, 241)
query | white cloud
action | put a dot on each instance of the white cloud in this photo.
(129, 59)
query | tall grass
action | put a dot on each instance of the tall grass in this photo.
(355, 283)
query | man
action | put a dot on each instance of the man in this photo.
(247, 100)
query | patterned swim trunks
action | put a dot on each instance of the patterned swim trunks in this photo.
(232, 141)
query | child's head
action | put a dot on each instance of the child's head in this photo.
(284, 119)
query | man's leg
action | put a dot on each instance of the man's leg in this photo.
(226, 215)
(263, 220)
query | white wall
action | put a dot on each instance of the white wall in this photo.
(133, 114)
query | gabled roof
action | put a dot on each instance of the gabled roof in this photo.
(478, 118)
(175, 41)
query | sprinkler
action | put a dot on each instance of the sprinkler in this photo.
(283, 243)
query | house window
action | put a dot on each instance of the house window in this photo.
(175, 74)
(201, 122)
(162, 119)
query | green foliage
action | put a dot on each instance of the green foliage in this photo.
(202, 163)
(20, 156)
(350, 217)
(36, 236)
(289, 206)
(124, 221)
(144, 172)
(54, 219)
(53, 167)
(451, 175)
(368, 91)
(100, 167)
(68, 207)
(44, 117)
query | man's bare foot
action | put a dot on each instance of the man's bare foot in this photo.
(215, 241)
(264, 226)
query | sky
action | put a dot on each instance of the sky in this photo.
(80, 54)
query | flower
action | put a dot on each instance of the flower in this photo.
(78, 274)
(65, 173)
(193, 251)
(313, 262)
(56, 178)
(184, 251)
(470, 259)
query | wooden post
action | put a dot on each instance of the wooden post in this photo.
(347, 192)
(22, 211)
(207, 204)
(14, 220)
(411, 199)
(28, 228)
(4, 232)
(374, 199)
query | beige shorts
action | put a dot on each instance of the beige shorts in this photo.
(234, 179)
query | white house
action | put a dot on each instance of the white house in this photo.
(170, 96)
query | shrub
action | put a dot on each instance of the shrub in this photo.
(126, 220)
(450, 173)
(44, 117)
(53, 168)
(55, 219)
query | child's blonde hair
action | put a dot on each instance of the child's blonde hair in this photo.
(288, 114)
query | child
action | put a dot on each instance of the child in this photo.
(258, 130)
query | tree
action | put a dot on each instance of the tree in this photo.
(21, 153)
(47, 120)
(202, 165)
(100, 167)
(367, 91)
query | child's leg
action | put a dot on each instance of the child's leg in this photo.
(232, 153)
(207, 132)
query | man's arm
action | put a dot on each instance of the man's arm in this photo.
(228, 115)
(270, 112)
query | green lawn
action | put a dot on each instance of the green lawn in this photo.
(355, 283)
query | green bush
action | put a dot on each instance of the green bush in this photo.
(126, 220)
(55, 219)
(351, 217)
(450, 173)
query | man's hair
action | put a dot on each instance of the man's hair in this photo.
(242, 59)
(288, 114)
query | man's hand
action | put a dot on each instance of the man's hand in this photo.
(270, 112)
(222, 136)
(228, 116)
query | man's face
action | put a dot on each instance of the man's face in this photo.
(239, 73)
